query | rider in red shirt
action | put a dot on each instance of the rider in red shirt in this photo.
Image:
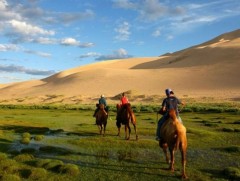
(124, 99)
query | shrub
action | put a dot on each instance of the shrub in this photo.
(3, 156)
(38, 137)
(26, 135)
(38, 173)
(23, 157)
(25, 140)
(70, 169)
(42, 162)
(10, 177)
(8, 165)
(49, 164)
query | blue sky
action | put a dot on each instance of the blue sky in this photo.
(39, 38)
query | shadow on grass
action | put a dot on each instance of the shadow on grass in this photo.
(22, 129)
(216, 174)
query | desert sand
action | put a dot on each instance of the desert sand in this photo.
(208, 70)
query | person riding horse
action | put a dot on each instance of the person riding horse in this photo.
(103, 101)
(171, 102)
(125, 116)
(121, 107)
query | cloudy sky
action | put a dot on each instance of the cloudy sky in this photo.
(39, 38)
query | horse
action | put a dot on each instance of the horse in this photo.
(173, 135)
(101, 119)
(124, 116)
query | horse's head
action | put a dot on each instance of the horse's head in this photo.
(118, 106)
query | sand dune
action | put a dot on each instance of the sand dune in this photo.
(210, 69)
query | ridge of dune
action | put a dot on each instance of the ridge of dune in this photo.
(209, 69)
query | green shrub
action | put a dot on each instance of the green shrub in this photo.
(42, 162)
(3, 156)
(10, 177)
(8, 166)
(38, 174)
(50, 164)
(38, 137)
(25, 140)
(26, 135)
(23, 157)
(70, 169)
(54, 165)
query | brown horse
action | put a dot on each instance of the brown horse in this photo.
(124, 116)
(101, 119)
(173, 135)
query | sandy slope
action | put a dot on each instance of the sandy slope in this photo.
(207, 70)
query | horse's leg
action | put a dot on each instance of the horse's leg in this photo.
(99, 128)
(126, 135)
(183, 152)
(129, 131)
(119, 131)
(172, 160)
(135, 129)
(104, 129)
(164, 148)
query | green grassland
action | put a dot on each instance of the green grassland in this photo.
(63, 143)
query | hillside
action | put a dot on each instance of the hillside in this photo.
(210, 69)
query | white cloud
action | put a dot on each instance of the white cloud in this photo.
(21, 69)
(156, 33)
(44, 40)
(89, 54)
(70, 42)
(123, 31)
(117, 54)
(125, 4)
(28, 29)
(42, 54)
(73, 42)
(3, 5)
(8, 47)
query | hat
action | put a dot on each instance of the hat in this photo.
(102, 95)
(168, 91)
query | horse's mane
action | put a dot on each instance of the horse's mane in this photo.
(172, 115)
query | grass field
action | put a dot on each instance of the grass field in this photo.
(58, 144)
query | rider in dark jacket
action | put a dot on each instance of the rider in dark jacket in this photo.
(170, 102)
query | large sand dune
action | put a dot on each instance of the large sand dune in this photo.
(210, 69)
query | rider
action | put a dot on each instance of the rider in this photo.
(124, 99)
(103, 101)
(170, 102)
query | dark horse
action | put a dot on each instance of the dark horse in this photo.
(173, 135)
(101, 119)
(125, 115)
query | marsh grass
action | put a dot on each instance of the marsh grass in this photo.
(72, 149)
